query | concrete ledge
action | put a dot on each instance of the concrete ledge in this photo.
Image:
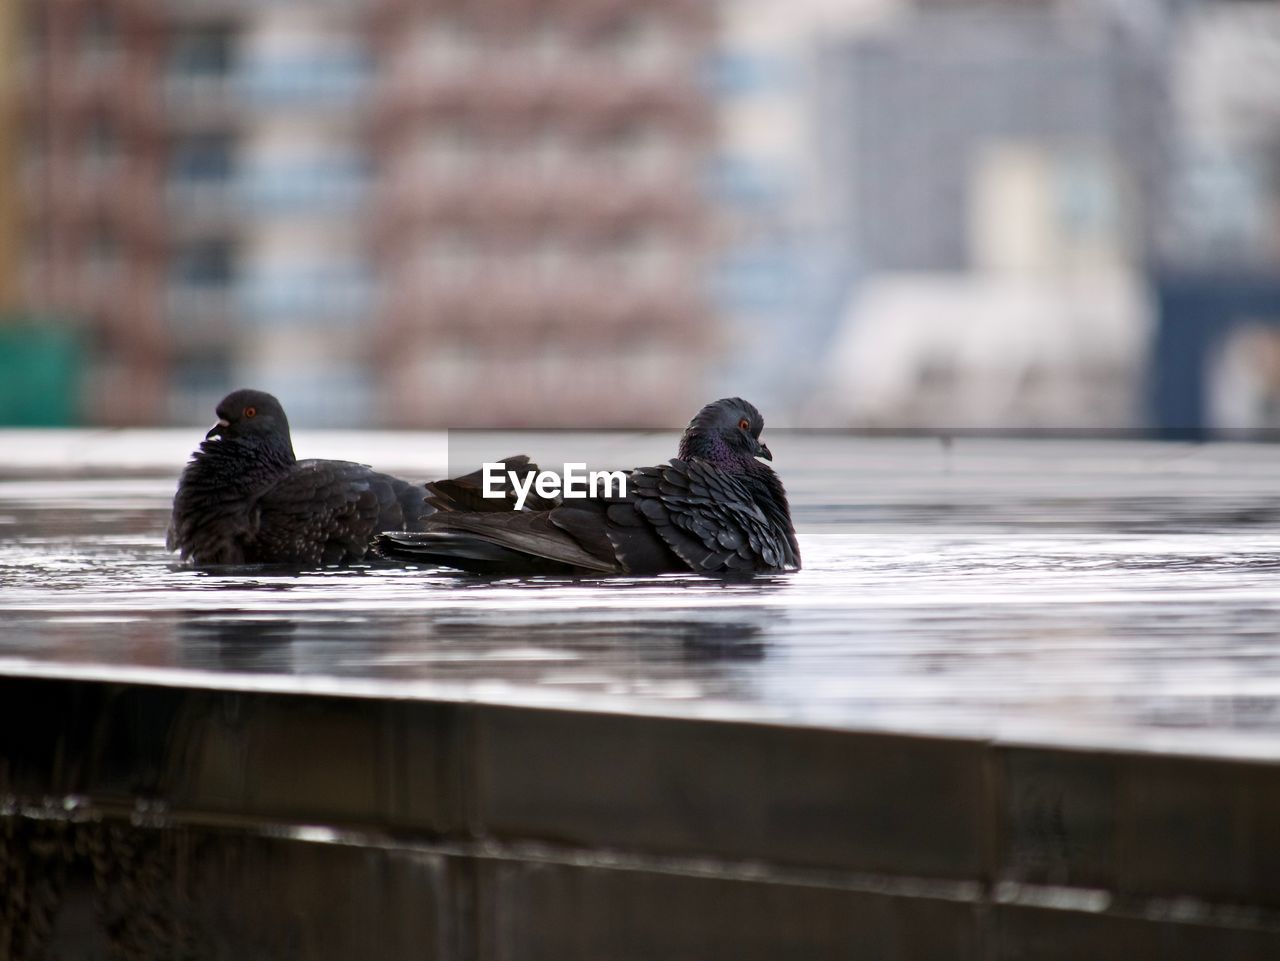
(455, 830)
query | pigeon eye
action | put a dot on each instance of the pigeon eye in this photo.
(744, 424)
(251, 412)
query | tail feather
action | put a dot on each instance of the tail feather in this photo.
(443, 547)
(518, 541)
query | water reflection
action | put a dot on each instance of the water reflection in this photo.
(617, 652)
(231, 642)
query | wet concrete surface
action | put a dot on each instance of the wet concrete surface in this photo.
(1022, 702)
(1086, 592)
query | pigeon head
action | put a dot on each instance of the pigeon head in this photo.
(251, 415)
(724, 432)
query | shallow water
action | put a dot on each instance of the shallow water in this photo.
(1111, 593)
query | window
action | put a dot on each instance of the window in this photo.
(205, 264)
(100, 33)
(101, 145)
(203, 52)
(203, 157)
(445, 45)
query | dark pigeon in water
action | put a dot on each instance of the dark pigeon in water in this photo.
(715, 508)
(246, 499)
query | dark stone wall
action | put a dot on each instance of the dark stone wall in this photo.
(149, 822)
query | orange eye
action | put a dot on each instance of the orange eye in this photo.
(744, 424)
(251, 412)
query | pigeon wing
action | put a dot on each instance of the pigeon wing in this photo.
(208, 523)
(321, 512)
(709, 518)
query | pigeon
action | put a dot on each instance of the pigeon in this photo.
(715, 508)
(244, 498)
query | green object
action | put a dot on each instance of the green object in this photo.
(40, 368)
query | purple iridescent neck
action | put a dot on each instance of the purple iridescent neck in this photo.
(714, 448)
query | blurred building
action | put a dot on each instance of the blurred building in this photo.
(10, 139)
(386, 212)
(890, 212)
(782, 265)
(997, 170)
(957, 126)
(1218, 282)
(1223, 209)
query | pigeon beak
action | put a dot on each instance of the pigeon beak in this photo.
(216, 430)
(764, 452)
